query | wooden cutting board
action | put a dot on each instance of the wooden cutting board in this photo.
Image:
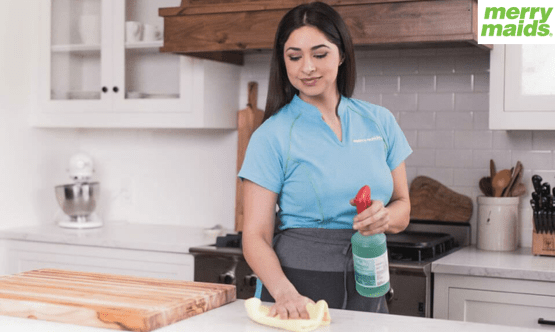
(248, 120)
(431, 200)
(107, 300)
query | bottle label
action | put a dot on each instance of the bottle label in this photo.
(371, 272)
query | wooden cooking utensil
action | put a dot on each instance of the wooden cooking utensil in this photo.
(500, 182)
(248, 120)
(513, 181)
(492, 170)
(518, 190)
(485, 186)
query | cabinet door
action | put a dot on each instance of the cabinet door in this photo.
(502, 308)
(75, 57)
(145, 79)
(522, 87)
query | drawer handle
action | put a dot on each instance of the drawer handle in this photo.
(546, 322)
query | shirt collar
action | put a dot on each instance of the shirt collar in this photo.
(309, 109)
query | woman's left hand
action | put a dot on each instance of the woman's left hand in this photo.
(373, 220)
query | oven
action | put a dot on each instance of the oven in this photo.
(411, 254)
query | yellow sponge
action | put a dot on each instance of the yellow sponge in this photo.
(318, 313)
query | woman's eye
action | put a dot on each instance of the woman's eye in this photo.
(320, 56)
(294, 58)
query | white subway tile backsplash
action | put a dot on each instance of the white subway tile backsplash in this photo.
(480, 120)
(476, 101)
(369, 66)
(501, 158)
(454, 120)
(431, 65)
(517, 140)
(369, 97)
(481, 82)
(438, 102)
(399, 101)
(421, 157)
(417, 120)
(437, 139)
(469, 177)
(454, 83)
(380, 84)
(475, 140)
(543, 140)
(454, 158)
(472, 63)
(442, 175)
(400, 66)
(417, 83)
(535, 159)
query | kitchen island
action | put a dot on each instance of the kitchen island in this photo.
(233, 318)
(513, 288)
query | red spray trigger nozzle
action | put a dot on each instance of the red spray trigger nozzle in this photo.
(363, 200)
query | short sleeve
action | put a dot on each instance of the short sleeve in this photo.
(263, 163)
(397, 144)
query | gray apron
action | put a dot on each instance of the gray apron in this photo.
(319, 263)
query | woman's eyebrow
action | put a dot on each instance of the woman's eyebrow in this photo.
(312, 48)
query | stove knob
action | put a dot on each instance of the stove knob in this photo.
(250, 280)
(228, 278)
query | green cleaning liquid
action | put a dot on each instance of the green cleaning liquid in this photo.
(371, 264)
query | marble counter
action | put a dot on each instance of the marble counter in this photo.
(518, 264)
(233, 318)
(121, 235)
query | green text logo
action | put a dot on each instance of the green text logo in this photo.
(516, 22)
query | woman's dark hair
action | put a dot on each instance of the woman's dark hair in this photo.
(329, 22)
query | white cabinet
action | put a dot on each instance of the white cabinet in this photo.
(522, 87)
(93, 75)
(29, 255)
(500, 301)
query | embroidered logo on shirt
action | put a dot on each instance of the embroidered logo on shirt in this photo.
(371, 139)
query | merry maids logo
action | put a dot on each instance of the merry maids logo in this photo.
(509, 22)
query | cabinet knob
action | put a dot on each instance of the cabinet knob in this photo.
(250, 280)
(104, 89)
(116, 89)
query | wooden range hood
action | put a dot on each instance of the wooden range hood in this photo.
(225, 29)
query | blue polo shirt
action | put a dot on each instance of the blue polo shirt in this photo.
(296, 155)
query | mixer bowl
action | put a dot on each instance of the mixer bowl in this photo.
(77, 200)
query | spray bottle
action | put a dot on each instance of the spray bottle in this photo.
(369, 255)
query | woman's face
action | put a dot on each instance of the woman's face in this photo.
(312, 63)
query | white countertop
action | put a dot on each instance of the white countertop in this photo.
(163, 238)
(233, 318)
(518, 264)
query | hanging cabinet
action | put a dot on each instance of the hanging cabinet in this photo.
(93, 76)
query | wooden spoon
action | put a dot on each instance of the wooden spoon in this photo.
(514, 179)
(500, 182)
(491, 168)
(518, 190)
(485, 186)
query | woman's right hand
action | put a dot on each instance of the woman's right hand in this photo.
(290, 305)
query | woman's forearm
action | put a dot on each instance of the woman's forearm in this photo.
(264, 262)
(399, 215)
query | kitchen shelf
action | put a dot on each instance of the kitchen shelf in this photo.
(145, 45)
(75, 48)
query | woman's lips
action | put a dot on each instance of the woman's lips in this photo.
(310, 81)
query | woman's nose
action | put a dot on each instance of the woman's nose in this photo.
(308, 65)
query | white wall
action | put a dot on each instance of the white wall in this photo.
(187, 177)
(441, 100)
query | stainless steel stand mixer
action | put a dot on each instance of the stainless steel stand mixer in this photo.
(78, 200)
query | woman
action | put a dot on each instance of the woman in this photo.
(315, 149)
